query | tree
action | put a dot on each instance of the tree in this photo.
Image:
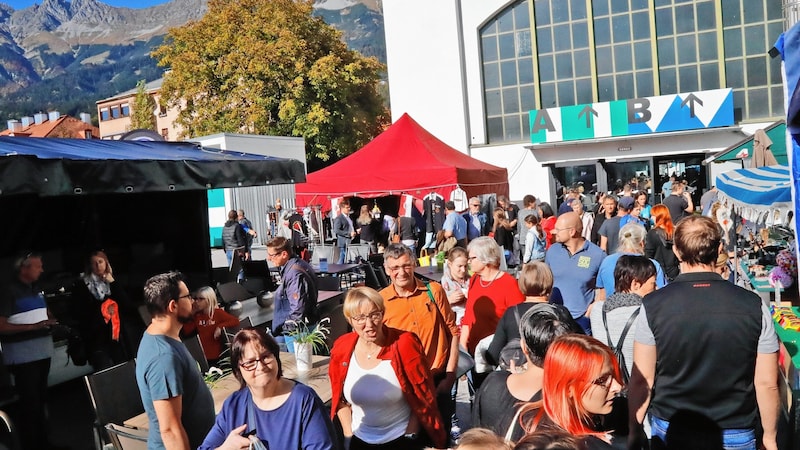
(270, 67)
(142, 116)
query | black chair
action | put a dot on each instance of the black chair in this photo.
(329, 283)
(338, 325)
(371, 278)
(9, 437)
(115, 397)
(230, 332)
(259, 271)
(232, 292)
(126, 438)
(195, 348)
(379, 272)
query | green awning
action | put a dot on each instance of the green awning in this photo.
(744, 149)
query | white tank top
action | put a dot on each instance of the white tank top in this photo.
(380, 412)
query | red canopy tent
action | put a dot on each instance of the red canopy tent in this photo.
(404, 159)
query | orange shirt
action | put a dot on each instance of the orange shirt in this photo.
(434, 325)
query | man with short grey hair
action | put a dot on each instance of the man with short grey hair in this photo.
(476, 220)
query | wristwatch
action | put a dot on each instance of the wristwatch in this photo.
(410, 436)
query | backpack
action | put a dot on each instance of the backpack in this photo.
(617, 349)
(512, 351)
(666, 257)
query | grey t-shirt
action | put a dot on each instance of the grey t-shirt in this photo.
(610, 229)
(164, 370)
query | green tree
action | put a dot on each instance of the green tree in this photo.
(142, 116)
(269, 67)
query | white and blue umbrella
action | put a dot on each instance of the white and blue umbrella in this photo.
(760, 194)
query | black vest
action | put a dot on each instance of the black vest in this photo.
(706, 332)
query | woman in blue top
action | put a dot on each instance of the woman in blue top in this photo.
(282, 413)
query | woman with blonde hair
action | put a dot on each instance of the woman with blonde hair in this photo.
(367, 228)
(631, 242)
(209, 321)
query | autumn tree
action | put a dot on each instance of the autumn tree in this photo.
(142, 116)
(270, 67)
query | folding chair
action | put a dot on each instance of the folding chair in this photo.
(126, 438)
(115, 397)
(195, 348)
(230, 332)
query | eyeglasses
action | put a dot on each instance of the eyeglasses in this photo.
(374, 317)
(265, 359)
(604, 381)
(189, 296)
(404, 268)
(272, 255)
(475, 204)
(558, 230)
(199, 299)
(469, 259)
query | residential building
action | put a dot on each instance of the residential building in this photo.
(53, 125)
(114, 114)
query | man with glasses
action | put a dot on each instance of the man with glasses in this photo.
(296, 296)
(476, 220)
(179, 406)
(575, 263)
(423, 309)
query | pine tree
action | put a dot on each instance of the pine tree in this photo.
(142, 116)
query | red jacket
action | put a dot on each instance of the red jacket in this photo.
(405, 352)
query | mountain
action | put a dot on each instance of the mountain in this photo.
(65, 56)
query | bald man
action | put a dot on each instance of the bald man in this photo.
(575, 263)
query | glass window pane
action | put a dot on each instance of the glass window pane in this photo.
(622, 28)
(541, 12)
(493, 105)
(581, 65)
(636, 5)
(619, 6)
(688, 79)
(561, 37)
(734, 73)
(666, 52)
(547, 70)
(707, 15)
(580, 35)
(523, 43)
(583, 89)
(668, 81)
(505, 22)
(625, 86)
(664, 22)
(544, 42)
(709, 76)
(605, 89)
(739, 105)
(663, 2)
(755, 44)
(684, 19)
(510, 101)
(494, 128)
(508, 73)
(525, 69)
(548, 93)
(566, 93)
(687, 49)
(526, 128)
(757, 103)
(522, 17)
(489, 48)
(491, 75)
(560, 10)
(578, 8)
(602, 32)
(643, 56)
(600, 8)
(731, 15)
(564, 65)
(641, 25)
(605, 63)
(527, 98)
(733, 42)
(644, 84)
(506, 42)
(623, 59)
(708, 46)
(513, 130)
(777, 101)
(775, 71)
(753, 12)
(774, 8)
(757, 71)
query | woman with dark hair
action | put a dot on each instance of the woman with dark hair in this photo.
(548, 221)
(503, 234)
(382, 389)
(535, 240)
(581, 378)
(282, 413)
(658, 243)
(500, 394)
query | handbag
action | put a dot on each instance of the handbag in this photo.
(396, 236)
(424, 258)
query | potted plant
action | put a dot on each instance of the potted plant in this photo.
(307, 339)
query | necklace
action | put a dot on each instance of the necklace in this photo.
(494, 277)
(369, 354)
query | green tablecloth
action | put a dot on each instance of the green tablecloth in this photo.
(759, 284)
(790, 339)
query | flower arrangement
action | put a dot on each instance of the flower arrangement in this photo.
(315, 335)
(215, 374)
(785, 271)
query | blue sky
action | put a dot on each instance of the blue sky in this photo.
(21, 4)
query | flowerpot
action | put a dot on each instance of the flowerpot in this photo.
(302, 353)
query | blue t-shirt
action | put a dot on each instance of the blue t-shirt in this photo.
(605, 276)
(574, 276)
(455, 223)
(164, 370)
(299, 423)
(22, 303)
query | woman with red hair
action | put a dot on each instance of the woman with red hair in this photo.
(581, 379)
(658, 243)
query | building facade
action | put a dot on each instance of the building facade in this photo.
(489, 76)
(114, 114)
(53, 125)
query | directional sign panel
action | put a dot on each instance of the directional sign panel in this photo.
(691, 111)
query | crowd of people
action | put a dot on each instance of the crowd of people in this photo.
(600, 339)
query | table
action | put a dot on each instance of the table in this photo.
(334, 269)
(316, 378)
(262, 315)
(789, 384)
(430, 273)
